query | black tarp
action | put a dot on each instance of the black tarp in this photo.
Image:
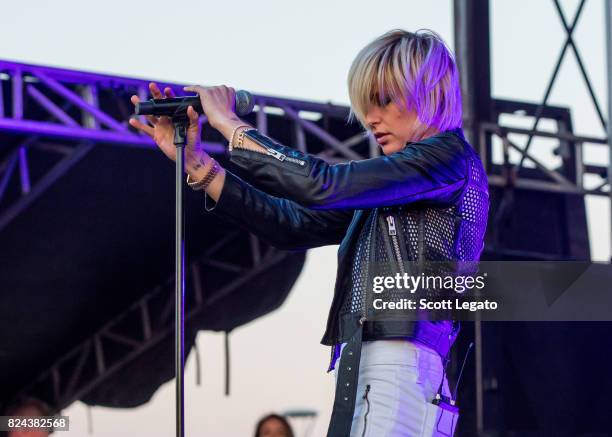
(96, 241)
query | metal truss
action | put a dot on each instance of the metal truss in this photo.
(50, 109)
(570, 176)
(556, 181)
(67, 380)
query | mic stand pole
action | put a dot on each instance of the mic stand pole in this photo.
(180, 130)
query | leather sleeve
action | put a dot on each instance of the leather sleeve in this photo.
(433, 170)
(280, 222)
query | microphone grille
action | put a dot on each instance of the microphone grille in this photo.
(244, 102)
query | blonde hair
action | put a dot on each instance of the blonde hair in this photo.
(417, 71)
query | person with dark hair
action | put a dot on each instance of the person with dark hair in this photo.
(424, 201)
(273, 425)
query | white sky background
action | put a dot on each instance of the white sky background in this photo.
(302, 50)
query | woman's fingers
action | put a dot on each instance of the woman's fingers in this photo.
(138, 124)
(217, 102)
(152, 119)
(194, 88)
(134, 122)
(193, 131)
(193, 116)
(155, 92)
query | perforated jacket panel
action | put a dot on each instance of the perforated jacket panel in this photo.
(451, 233)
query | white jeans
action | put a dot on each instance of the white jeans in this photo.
(403, 378)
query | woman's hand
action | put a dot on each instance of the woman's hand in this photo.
(162, 132)
(197, 162)
(160, 128)
(218, 103)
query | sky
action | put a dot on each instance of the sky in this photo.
(301, 50)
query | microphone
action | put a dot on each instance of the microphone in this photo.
(177, 106)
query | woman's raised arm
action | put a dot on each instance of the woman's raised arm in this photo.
(434, 169)
(280, 222)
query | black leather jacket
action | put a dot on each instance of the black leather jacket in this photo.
(435, 192)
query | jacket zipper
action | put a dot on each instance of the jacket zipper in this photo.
(280, 156)
(392, 231)
(371, 247)
(365, 417)
(276, 154)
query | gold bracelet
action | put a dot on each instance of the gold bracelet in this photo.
(241, 137)
(206, 180)
(231, 142)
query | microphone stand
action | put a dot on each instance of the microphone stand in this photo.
(180, 131)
